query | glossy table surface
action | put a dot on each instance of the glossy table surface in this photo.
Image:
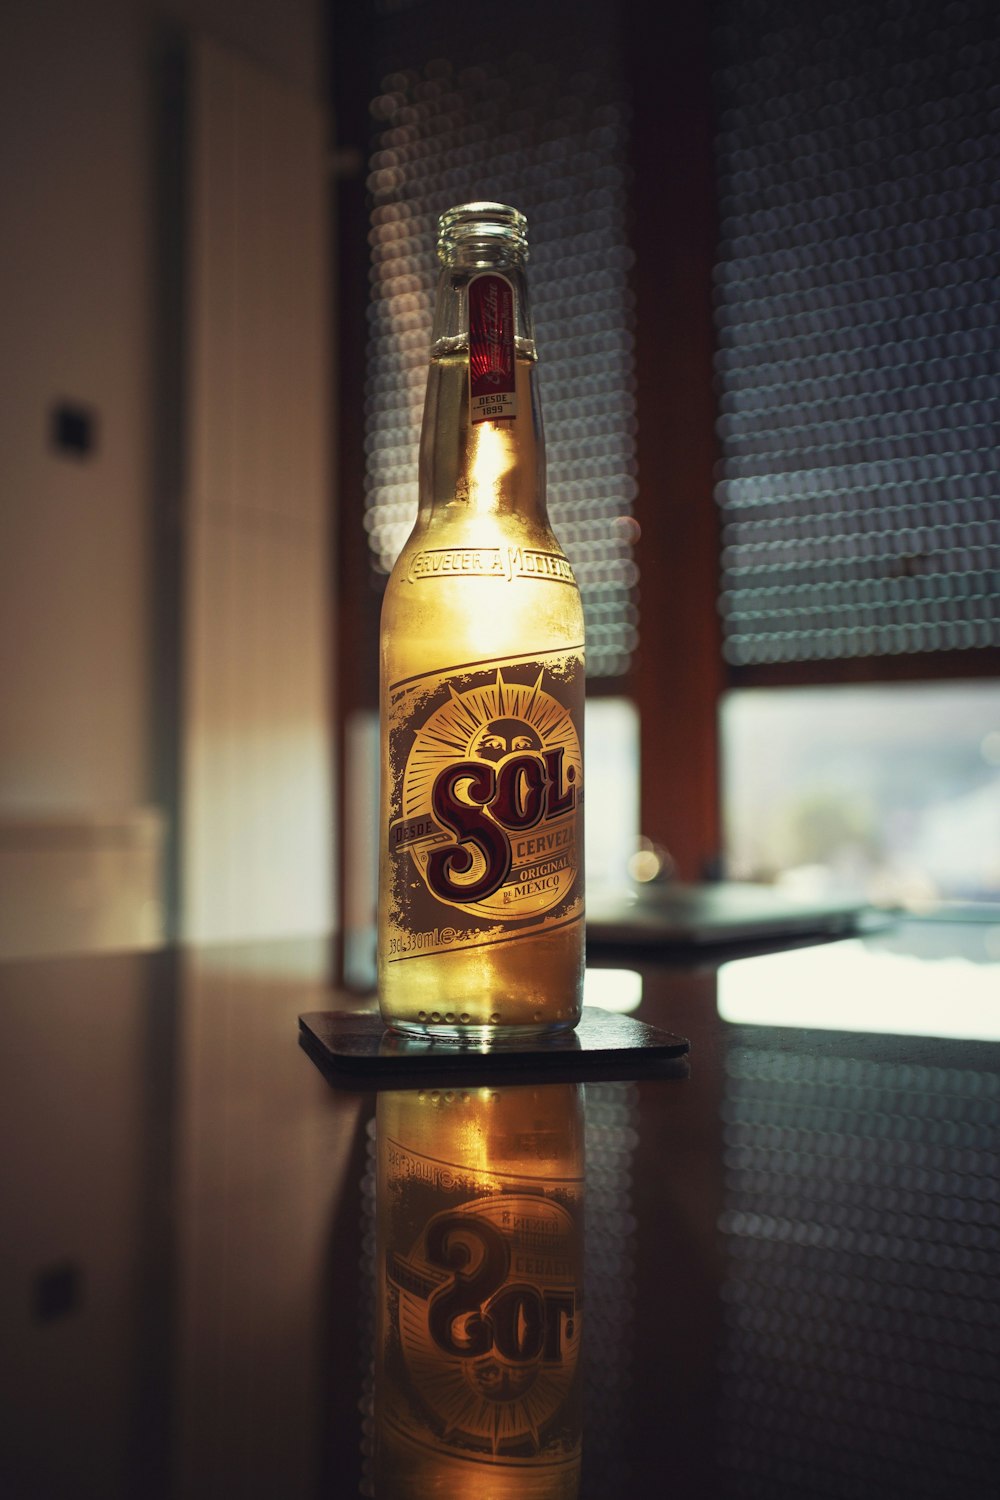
(786, 1266)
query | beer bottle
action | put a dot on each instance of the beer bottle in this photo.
(481, 931)
(479, 1246)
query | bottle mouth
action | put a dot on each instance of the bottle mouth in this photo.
(488, 224)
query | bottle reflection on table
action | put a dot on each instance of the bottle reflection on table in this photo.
(479, 1227)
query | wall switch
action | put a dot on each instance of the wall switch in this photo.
(74, 429)
(57, 1292)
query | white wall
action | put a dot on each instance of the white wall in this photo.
(74, 255)
(78, 547)
(256, 819)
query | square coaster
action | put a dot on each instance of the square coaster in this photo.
(359, 1050)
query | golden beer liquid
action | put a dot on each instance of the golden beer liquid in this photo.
(479, 1240)
(482, 498)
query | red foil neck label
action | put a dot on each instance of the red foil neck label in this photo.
(492, 366)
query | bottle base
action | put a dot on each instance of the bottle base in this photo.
(483, 1037)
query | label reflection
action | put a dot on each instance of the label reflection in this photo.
(479, 1231)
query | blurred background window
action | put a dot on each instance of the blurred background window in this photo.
(771, 247)
(888, 792)
(859, 428)
(859, 394)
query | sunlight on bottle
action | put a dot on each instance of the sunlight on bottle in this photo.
(491, 460)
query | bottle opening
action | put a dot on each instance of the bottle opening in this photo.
(487, 223)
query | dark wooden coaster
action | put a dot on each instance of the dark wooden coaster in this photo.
(358, 1050)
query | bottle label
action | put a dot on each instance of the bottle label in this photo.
(486, 803)
(492, 366)
(483, 1313)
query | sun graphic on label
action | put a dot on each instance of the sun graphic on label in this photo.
(491, 792)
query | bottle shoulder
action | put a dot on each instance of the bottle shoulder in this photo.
(450, 606)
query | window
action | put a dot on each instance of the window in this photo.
(799, 204)
(857, 328)
(890, 792)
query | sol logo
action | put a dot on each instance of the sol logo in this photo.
(488, 1318)
(491, 795)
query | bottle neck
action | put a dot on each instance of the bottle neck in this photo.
(482, 449)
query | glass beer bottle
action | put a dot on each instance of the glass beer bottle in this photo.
(479, 1246)
(481, 930)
